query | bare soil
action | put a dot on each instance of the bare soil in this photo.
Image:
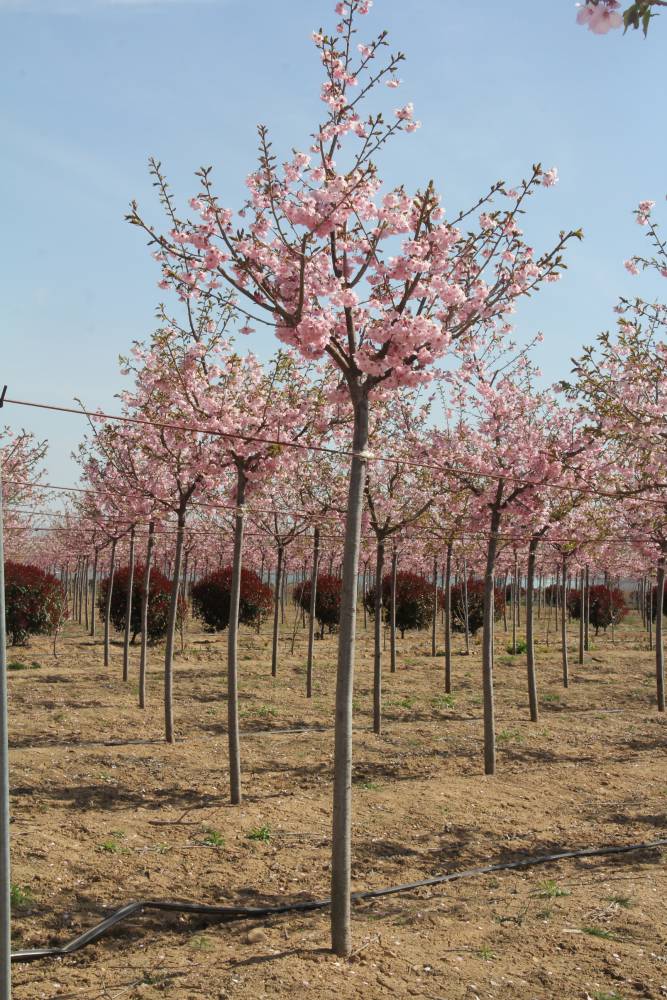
(105, 812)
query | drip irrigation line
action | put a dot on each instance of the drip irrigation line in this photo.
(228, 914)
(450, 470)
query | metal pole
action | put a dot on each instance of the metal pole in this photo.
(5, 880)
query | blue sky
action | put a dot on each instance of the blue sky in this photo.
(94, 87)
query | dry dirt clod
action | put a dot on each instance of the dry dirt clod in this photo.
(255, 936)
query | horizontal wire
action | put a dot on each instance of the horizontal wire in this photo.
(301, 445)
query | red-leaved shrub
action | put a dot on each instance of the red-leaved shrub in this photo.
(159, 597)
(35, 602)
(211, 599)
(327, 600)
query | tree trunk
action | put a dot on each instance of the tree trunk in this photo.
(145, 595)
(341, 846)
(233, 643)
(587, 603)
(171, 631)
(93, 609)
(434, 623)
(659, 653)
(448, 619)
(364, 588)
(311, 612)
(277, 612)
(392, 613)
(487, 641)
(530, 641)
(107, 608)
(128, 611)
(466, 613)
(563, 625)
(184, 591)
(86, 593)
(515, 601)
(377, 650)
(582, 625)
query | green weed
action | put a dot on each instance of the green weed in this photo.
(443, 701)
(551, 890)
(261, 833)
(521, 647)
(20, 897)
(214, 839)
(598, 932)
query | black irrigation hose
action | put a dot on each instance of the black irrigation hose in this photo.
(229, 913)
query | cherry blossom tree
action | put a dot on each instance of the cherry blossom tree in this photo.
(381, 285)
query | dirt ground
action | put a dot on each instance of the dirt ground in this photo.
(105, 812)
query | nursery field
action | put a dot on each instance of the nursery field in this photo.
(105, 812)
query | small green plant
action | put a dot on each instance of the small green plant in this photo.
(551, 890)
(509, 735)
(261, 833)
(369, 786)
(443, 701)
(214, 839)
(265, 711)
(515, 648)
(17, 665)
(20, 897)
(486, 954)
(201, 943)
(552, 697)
(624, 901)
(598, 932)
(111, 845)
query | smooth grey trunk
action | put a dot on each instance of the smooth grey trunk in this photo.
(377, 646)
(233, 645)
(448, 619)
(487, 639)
(87, 594)
(392, 612)
(311, 612)
(341, 844)
(364, 588)
(515, 599)
(587, 594)
(107, 607)
(659, 652)
(530, 638)
(563, 626)
(93, 608)
(582, 626)
(466, 610)
(277, 611)
(184, 591)
(171, 631)
(145, 597)
(128, 610)
(434, 623)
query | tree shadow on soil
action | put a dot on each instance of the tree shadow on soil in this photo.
(110, 797)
